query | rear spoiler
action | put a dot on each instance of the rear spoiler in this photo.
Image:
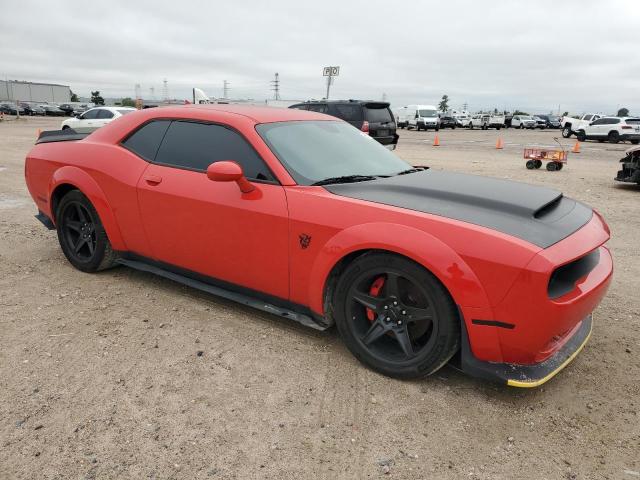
(66, 135)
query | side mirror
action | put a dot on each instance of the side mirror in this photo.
(229, 171)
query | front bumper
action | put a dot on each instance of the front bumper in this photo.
(428, 125)
(527, 376)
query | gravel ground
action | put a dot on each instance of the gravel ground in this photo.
(124, 375)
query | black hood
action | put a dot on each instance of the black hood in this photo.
(539, 215)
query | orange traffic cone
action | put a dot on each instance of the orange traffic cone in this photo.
(499, 145)
(576, 147)
(436, 141)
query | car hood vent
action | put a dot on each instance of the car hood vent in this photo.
(539, 215)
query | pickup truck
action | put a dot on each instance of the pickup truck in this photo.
(486, 121)
(571, 125)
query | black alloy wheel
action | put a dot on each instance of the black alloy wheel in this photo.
(395, 316)
(81, 235)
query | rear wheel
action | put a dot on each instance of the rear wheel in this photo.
(581, 136)
(635, 142)
(551, 166)
(614, 137)
(81, 235)
(538, 163)
(395, 316)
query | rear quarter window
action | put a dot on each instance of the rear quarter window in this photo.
(145, 141)
(348, 112)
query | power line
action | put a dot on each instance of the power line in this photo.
(276, 87)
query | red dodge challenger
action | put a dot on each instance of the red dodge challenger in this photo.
(300, 214)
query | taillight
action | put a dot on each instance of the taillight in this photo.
(626, 127)
(365, 127)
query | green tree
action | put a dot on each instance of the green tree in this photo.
(518, 112)
(623, 112)
(565, 114)
(128, 102)
(96, 98)
(444, 103)
(74, 97)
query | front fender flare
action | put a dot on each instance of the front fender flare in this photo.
(89, 187)
(420, 246)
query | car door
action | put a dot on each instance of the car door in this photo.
(87, 121)
(104, 117)
(597, 129)
(212, 228)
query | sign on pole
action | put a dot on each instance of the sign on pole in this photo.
(331, 71)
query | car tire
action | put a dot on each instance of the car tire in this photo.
(470, 126)
(581, 136)
(551, 166)
(498, 128)
(408, 327)
(537, 163)
(65, 127)
(566, 132)
(81, 234)
(601, 140)
(531, 164)
(614, 137)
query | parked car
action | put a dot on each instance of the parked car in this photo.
(523, 121)
(630, 171)
(571, 125)
(374, 118)
(612, 129)
(67, 108)
(541, 123)
(461, 120)
(80, 109)
(507, 120)
(95, 118)
(301, 215)
(32, 109)
(52, 110)
(551, 121)
(448, 122)
(11, 109)
(420, 117)
(486, 121)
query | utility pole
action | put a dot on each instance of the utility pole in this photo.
(225, 89)
(276, 87)
(165, 91)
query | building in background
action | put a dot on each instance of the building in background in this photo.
(14, 90)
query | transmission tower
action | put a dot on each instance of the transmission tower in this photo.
(465, 107)
(276, 87)
(165, 90)
(225, 89)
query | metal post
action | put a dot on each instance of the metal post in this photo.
(329, 77)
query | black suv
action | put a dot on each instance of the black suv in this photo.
(369, 116)
(448, 122)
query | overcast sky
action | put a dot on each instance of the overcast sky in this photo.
(535, 55)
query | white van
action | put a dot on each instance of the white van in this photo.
(420, 117)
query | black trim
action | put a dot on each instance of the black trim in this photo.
(46, 221)
(503, 372)
(494, 323)
(65, 135)
(563, 279)
(230, 291)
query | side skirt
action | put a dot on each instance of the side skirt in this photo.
(306, 319)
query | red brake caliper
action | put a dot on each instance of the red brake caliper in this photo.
(374, 291)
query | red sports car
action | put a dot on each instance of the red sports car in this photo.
(300, 214)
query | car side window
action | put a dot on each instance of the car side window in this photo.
(105, 114)
(195, 146)
(613, 121)
(90, 115)
(320, 108)
(350, 113)
(145, 141)
(599, 122)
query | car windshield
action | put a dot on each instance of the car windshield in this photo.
(428, 113)
(312, 151)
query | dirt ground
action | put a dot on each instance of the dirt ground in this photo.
(100, 375)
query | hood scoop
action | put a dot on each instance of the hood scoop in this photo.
(539, 215)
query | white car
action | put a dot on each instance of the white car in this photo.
(613, 129)
(95, 118)
(523, 121)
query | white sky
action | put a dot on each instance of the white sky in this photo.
(534, 55)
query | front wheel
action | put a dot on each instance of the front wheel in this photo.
(395, 316)
(566, 132)
(81, 235)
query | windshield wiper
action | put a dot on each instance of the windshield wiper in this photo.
(412, 170)
(345, 179)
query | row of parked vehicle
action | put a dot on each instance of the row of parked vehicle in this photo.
(44, 109)
(593, 126)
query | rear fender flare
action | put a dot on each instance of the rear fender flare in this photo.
(89, 187)
(421, 247)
